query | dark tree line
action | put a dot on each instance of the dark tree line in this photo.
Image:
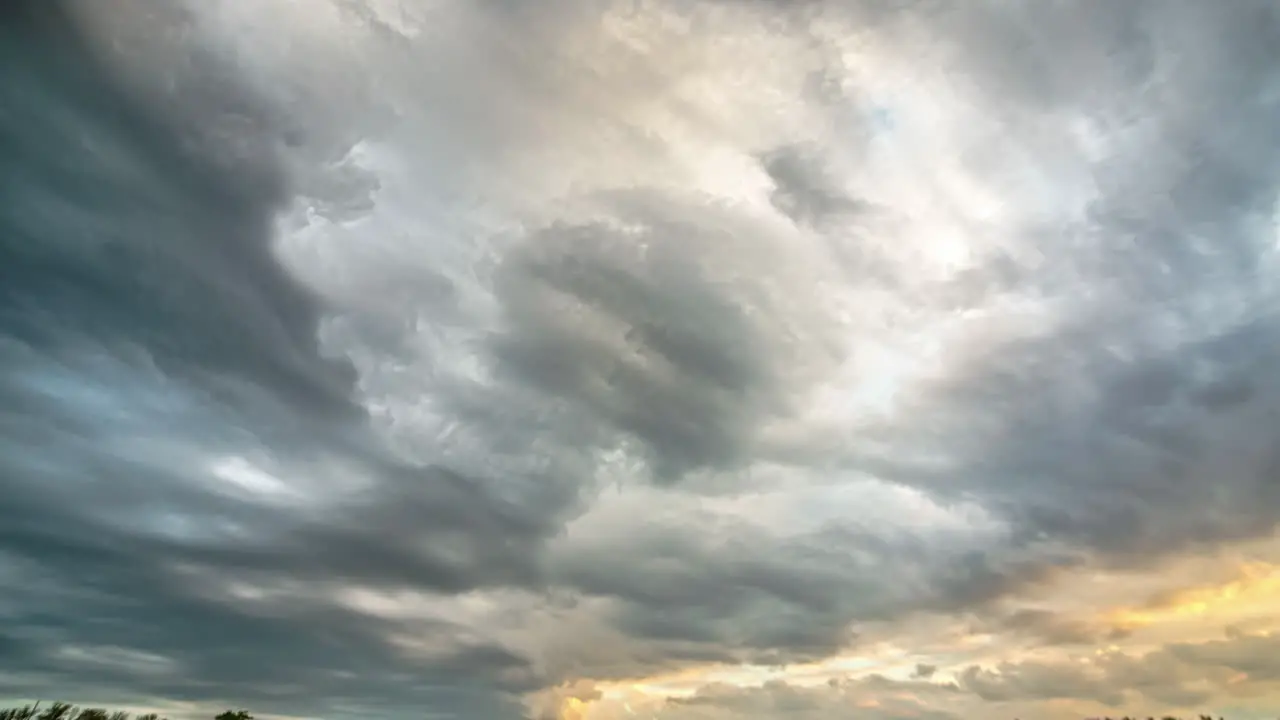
(1166, 717)
(67, 711)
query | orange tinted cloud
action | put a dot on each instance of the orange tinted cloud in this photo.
(1255, 590)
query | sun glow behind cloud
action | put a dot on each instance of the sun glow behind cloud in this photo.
(1254, 595)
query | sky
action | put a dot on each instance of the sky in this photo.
(655, 359)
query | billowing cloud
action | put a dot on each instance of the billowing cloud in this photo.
(482, 358)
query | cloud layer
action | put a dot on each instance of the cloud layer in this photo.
(370, 357)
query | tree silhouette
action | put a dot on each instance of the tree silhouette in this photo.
(22, 713)
(58, 711)
(67, 711)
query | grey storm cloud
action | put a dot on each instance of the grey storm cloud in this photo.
(656, 348)
(144, 320)
(207, 433)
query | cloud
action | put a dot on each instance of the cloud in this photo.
(1181, 675)
(1039, 682)
(565, 701)
(637, 330)
(875, 698)
(1249, 654)
(1050, 628)
(455, 351)
(173, 428)
(803, 189)
(1146, 372)
(1185, 677)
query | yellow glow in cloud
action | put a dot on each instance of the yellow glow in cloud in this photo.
(573, 709)
(1257, 589)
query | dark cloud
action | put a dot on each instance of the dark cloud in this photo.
(716, 591)
(803, 191)
(153, 634)
(131, 228)
(624, 321)
(147, 329)
(1046, 627)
